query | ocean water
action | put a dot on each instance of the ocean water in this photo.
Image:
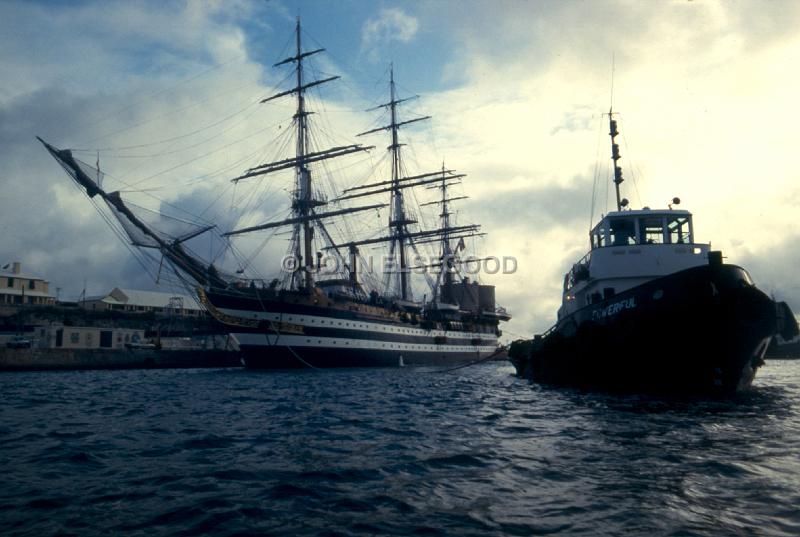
(409, 451)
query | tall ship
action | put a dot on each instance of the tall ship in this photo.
(651, 309)
(322, 310)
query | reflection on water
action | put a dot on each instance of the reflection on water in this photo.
(400, 451)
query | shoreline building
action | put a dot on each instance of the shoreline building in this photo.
(136, 301)
(19, 289)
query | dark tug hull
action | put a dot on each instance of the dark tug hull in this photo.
(701, 330)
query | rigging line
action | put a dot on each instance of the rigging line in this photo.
(190, 181)
(186, 183)
(325, 124)
(168, 204)
(277, 87)
(157, 117)
(160, 142)
(325, 127)
(237, 255)
(118, 233)
(278, 334)
(170, 217)
(164, 90)
(633, 166)
(185, 148)
(222, 192)
(224, 169)
(254, 202)
(329, 172)
(262, 187)
(596, 175)
(355, 162)
(607, 181)
(350, 68)
(284, 52)
(613, 65)
(164, 202)
(259, 201)
(186, 163)
(381, 163)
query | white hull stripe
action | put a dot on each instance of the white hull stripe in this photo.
(267, 340)
(352, 324)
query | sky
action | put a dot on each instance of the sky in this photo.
(168, 93)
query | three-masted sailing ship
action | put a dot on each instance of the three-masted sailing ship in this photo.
(307, 320)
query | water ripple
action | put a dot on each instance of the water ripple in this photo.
(390, 452)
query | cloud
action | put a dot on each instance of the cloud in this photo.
(391, 25)
(706, 115)
(704, 95)
(56, 93)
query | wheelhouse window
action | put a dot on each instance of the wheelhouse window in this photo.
(651, 230)
(622, 231)
(679, 230)
(599, 236)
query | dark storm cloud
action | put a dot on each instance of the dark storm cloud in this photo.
(49, 233)
(86, 74)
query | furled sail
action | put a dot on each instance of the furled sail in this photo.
(139, 232)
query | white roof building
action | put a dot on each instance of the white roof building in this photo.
(135, 300)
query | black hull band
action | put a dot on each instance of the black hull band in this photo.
(702, 330)
(282, 357)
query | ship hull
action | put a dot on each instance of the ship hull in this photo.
(700, 330)
(299, 357)
(288, 334)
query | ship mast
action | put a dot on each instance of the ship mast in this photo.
(447, 259)
(303, 199)
(615, 156)
(399, 237)
(398, 220)
(397, 217)
(447, 252)
(304, 217)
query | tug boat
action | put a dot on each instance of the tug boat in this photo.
(651, 310)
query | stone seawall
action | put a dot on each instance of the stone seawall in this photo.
(67, 359)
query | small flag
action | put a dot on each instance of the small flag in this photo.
(461, 245)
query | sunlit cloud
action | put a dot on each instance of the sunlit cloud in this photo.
(390, 25)
(703, 91)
